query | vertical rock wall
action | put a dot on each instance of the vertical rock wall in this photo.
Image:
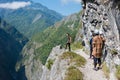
(104, 15)
(29, 67)
(55, 71)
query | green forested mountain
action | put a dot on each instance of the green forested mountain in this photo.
(55, 35)
(11, 44)
(30, 19)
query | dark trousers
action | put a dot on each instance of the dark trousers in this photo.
(96, 61)
(90, 52)
(68, 45)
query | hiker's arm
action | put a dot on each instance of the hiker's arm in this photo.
(70, 40)
(93, 43)
(103, 39)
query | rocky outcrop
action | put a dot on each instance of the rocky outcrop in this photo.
(55, 67)
(29, 62)
(60, 62)
(104, 15)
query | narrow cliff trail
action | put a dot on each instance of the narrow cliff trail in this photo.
(87, 70)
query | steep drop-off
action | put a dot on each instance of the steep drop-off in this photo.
(11, 43)
(37, 51)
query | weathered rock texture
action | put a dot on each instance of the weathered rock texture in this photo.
(32, 67)
(58, 68)
(11, 44)
(54, 69)
(104, 15)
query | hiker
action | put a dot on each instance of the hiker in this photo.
(97, 50)
(91, 44)
(69, 40)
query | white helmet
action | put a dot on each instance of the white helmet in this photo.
(100, 32)
(96, 31)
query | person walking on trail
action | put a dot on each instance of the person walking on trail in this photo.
(97, 50)
(91, 39)
(69, 40)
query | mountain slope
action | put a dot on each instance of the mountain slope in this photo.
(30, 19)
(36, 52)
(11, 43)
(56, 35)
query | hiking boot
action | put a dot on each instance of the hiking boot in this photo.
(90, 58)
(98, 68)
(95, 69)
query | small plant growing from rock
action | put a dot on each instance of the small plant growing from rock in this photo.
(74, 58)
(114, 52)
(106, 70)
(73, 74)
(49, 63)
(77, 45)
(118, 72)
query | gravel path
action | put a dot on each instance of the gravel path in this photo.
(87, 70)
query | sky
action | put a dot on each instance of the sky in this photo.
(65, 7)
(14, 5)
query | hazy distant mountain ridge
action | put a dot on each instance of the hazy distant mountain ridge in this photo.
(30, 19)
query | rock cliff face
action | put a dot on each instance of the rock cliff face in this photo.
(55, 67)
(28, 63)
(58, 64)
(104, 15)
(11, 44)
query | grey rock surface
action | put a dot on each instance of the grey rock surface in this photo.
(58, 68)
(104, 15)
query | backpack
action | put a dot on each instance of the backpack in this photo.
(83, 43)
(91, 41)
(97, 41)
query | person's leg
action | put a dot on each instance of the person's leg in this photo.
(69, 46)
(95, 62)
(66, 45)
(90, 52)
(99, 62)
